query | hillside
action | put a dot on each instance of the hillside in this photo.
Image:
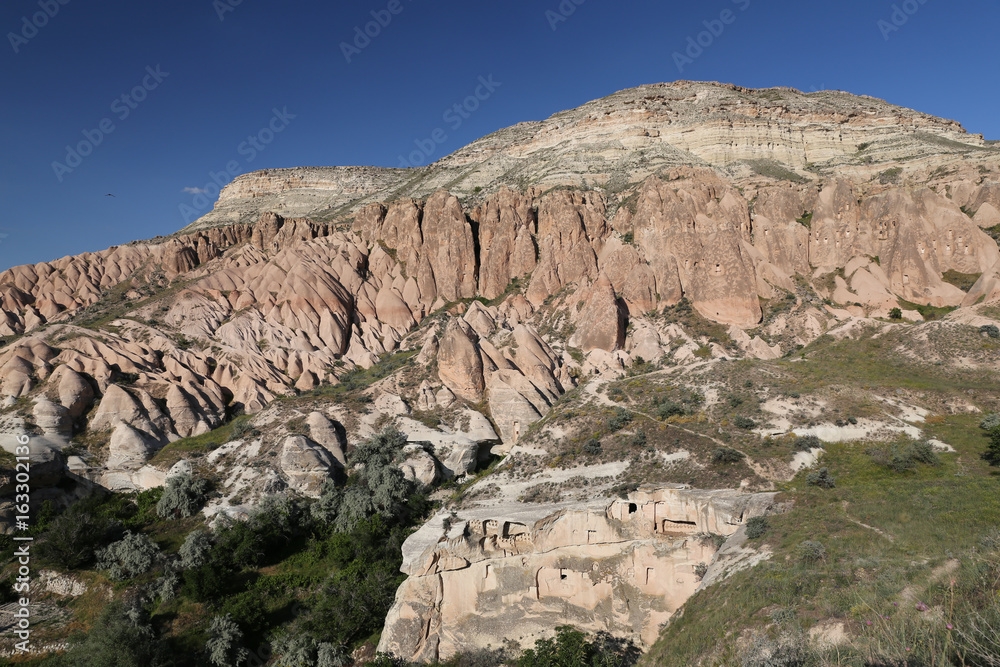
(696, 366)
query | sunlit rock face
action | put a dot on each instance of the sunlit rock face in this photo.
(621, 566)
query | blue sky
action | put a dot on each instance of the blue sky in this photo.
(213, 83)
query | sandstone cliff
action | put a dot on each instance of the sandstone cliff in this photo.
(622, 566)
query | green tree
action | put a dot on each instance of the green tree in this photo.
(992, 453)
(121, 637)
(225, 643)
(570, 648)
(133, 555)
(183, 496)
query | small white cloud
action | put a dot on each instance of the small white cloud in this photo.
(196, 191)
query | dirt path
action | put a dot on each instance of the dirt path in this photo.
(865, 525)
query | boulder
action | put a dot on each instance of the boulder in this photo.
(419, 466)
(306, 464)
(324, 432)
(130, 448)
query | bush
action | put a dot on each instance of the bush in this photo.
(621, 419)
(165, 588)
(668, 409)
(821, 478)
(811, 550)
(990, 422)
(75, 536)
(378, 488)
(757, 527)
(593, 447)
(243, 428)
(570, 647)
(746, 423)
(195, 550)
(895, 314)
(638, 439)
(225, 643)
(726, 455)
(183, 496)
(923, 452)
(786, 651)
(992, 453)
(297, 650)
(121, 636)
(807, 443)
(990, 330)
(132, 556)
(700, 570)
(901, 458)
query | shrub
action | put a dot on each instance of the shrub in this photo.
(621, 419)
(992, 453)
(700, 570)
(244, 428)
(120, 636)
(378, 488)
(593, 447)
(183, 496)
(811, 550)
(571, 647)
(714, 539)
(296, 650)
(668, 409)
(782, 616)
(990, 422)
(901, 458)
(225, 643)
(74, 538)
(923, 452)
(821, 478)
(990, 330)
(757, 527)
(890, 176)
(195, 550)
(726, 455)
(133, 555)
(743, 422)
(786, 651)
(166, 586)
(895, 314)
(638, 439)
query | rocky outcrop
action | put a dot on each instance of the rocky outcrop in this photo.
(623, 567)
(601, 320)
(460, 365)
(306, 465)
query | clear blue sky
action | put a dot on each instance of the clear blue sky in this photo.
(225, 78)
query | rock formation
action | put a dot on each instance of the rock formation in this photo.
(623, 567)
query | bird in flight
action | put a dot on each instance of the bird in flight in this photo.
(110, 195)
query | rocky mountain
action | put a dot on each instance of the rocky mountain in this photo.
(503, 307)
